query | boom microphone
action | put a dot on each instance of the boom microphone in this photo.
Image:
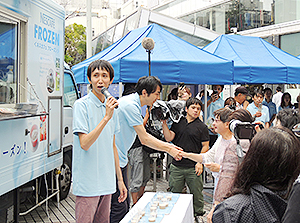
(148, 43)
(106, 93)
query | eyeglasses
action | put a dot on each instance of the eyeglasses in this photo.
(216, 120)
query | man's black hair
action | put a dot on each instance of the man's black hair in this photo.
(258, 92)
(149, 83)
(193, 101)
(267, 89)
(222, 86)
(101, 64)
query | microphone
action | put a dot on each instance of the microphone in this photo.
(106, 93)
(148, 43)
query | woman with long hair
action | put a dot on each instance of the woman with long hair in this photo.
(263, 180)
(286, 101)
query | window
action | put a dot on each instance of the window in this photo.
(70, 93)
(8, 60)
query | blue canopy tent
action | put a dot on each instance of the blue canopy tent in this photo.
(173, 60)
(255, 60)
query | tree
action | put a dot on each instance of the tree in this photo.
(75, 44)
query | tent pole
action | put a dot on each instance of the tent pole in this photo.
(120, 89)
(205, 103)
(149, 62)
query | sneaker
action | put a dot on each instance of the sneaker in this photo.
(199, 219)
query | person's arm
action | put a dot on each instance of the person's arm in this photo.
(272, 119)
(199, 166)
(209, 101)
(193, 156)
(168, 134)
(245, 104)
(211, 212)
(86, 140)
(152, 142)
(207, 157)
(205, 147)
(121, 185)
(147, 115)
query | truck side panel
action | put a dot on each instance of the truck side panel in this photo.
(31, 146)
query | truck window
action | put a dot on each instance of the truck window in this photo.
(8, 60)
(70, 95)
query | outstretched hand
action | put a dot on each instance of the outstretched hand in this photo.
(176, 153)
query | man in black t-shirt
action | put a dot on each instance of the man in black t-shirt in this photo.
(191, 134)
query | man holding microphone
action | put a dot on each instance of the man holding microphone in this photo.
(95, 155)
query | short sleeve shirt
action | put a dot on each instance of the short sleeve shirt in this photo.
(264, 110)
(93, 170)
(214, 106)
(130, 115)
(272, 108)
(189, 136)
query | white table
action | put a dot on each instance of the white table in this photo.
(181, 212)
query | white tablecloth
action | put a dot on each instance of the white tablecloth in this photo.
(181, 212)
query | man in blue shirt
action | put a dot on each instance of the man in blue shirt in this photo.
(95, 155)
(215, 102)
(258, 111)
(131, 123)
(271, 105)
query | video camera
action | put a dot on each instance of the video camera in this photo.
(159, 113)
(243, 130)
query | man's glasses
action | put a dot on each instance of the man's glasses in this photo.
(216, 120)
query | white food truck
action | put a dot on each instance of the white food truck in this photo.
(36, 98)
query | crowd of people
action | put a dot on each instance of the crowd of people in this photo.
(254, 175)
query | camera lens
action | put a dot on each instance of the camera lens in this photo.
(296, 130)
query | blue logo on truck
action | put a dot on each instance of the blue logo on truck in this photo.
(45, 33)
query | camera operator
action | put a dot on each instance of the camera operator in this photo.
(191, 134)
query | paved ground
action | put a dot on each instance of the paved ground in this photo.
(66, 210)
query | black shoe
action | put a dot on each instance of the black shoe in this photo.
(201, 214)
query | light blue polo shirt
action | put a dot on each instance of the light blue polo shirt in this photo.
(264, 110)
(93, 170)
(130, 114)
(214, 106)
(272, 108)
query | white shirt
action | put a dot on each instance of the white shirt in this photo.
(277, 99)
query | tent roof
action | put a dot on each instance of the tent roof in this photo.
(255, 60)
(173, 60)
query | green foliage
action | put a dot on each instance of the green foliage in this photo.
(75, 44)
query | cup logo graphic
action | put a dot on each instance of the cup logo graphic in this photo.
(34, 133)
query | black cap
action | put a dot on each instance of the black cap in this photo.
(242, 90)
